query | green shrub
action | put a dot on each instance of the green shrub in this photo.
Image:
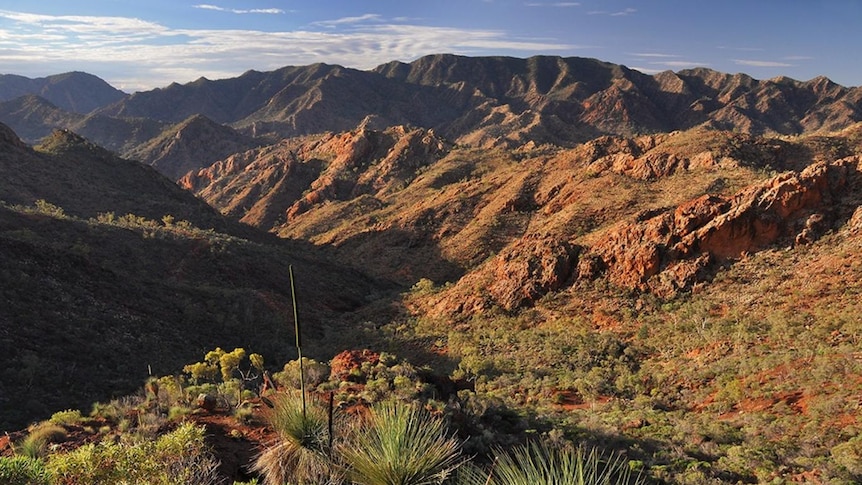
(400, 444)
(315, 373)
(23, 470)
(35, 445)
(849, 455)
(177, 457)
(302, 452)
(541, 464)
(68, 417)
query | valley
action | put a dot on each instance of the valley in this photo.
(662, 267)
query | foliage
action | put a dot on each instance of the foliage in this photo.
(302, 453)
(35, 445)
(398, 444)
(177, 457)
(23, 470)
(68, 417)
(540, 464)
(315, 373)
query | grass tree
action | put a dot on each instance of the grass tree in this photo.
(399, 445)
(301, 453)
(541, 464)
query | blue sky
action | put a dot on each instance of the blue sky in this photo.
(143, 44)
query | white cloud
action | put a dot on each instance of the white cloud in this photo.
(646, 70)
(754, 63)
(134, 54)
(619, 13)
(742, 49)
(653, 55)
(274, 11)
(348, 20)
(680, 64)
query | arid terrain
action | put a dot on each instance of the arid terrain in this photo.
(663, 267)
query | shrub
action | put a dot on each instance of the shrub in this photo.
(23, 470)
(315, 373)
(849, 455)
(400, 444)
(36, 443)
(541, 464)
(302, 451)
(177, 457)
(68, 417)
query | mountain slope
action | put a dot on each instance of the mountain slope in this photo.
(190, 145)
(93, 296)
(77, 92)
(501, 101)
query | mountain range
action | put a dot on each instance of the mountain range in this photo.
(482, 102)
(664, 265)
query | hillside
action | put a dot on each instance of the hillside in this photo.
(77, 92)
(481, 102)
(664, 267)
(621, 284)
(109, 268)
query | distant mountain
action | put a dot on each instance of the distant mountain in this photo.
(190, 145)
(78, 92)
(502, 101)
(173, 149)
(476, 101)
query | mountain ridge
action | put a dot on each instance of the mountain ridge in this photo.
(479, 101)
(75, 91)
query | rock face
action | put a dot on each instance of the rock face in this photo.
(271, 186)
(669, 251)
(522, 273)
(530, 268)
(345, 365)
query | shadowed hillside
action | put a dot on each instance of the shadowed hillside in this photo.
(109, 268)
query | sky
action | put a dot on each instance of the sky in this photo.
(144, 44)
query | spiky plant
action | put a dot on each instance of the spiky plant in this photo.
(301, 453)
(400, 445)
(541, 464)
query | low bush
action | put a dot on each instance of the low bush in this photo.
(177, 457)
(23, 470)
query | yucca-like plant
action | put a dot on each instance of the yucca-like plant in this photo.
(23, 470)
(301, 453)
(400, 445)
(540, 464)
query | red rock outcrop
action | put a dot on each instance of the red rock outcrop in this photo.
(530, 268)
(348, 363)
(522, 273)
(669, 251)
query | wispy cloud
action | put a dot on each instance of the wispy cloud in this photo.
(664, 60)
(798, 58)
(653, 55)
(618, 13)
(553, 4)
(205, 6)
(348, 20)
(742, 49)
(681, 64)
(756, 63)
(134, 54)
